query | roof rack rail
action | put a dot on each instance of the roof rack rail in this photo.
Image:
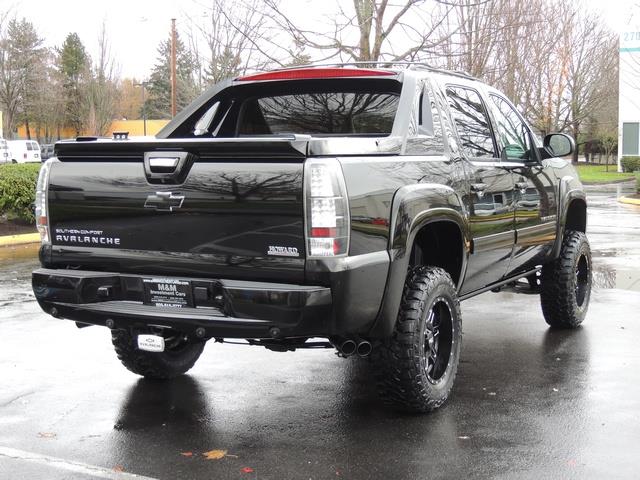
(383, 64)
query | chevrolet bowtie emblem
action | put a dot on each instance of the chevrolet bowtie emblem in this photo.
(164, 201)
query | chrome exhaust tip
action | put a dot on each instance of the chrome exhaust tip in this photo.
(364, 348)
(348, 347)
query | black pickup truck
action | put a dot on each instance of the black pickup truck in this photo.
(343, 206)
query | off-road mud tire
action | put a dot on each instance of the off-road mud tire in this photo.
(400, 363)
(566, 283)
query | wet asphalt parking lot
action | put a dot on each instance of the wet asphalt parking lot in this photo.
(529, 402)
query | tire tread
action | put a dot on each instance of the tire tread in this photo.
(557, 294)
(396, 361)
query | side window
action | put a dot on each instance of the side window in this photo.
(29, 146)
(512, 134)
(472, 121)
(429, 139)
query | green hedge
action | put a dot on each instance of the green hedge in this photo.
(638, 183)
(18, 190)
(630, 164)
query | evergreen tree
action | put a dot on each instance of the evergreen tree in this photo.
(75, 69)
(228, 63)
(158, 104)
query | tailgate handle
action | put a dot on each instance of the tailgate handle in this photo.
(163, 164)
(168, 167)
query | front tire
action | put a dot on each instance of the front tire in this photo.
(179, 355)
(566, 283)
(416, 367)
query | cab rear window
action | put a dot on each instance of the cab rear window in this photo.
(319, 113)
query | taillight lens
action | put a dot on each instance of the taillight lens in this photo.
(327, 209)
(42, 203)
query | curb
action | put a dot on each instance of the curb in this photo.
(608, 182)
(24, 239)
(629, 200)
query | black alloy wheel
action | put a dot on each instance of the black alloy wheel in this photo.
(438, 340)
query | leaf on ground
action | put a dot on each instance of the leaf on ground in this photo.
(247, 470)
(118, 468)
(47, 435)
(186, 454)
(215, 454)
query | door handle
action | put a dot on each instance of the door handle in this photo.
(522, 186)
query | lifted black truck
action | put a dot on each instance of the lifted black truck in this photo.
(353, 204)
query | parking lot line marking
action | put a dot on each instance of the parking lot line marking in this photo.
(70, 466)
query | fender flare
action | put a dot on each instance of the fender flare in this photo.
(414, 207)
(569, 190)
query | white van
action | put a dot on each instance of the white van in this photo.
(24, 151)
(5, 153)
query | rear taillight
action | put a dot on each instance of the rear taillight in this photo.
(42, 203)
(327, 209)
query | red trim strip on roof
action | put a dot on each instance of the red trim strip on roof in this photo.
(305, 73)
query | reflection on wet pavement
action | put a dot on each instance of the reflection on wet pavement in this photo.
(614, 233)
(16, 265)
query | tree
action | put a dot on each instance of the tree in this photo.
(21, 63)
(234, 35)
(74, 67)
(103, 89)
(370, 30)
(158, 104)
(555, 59)
(594, 55)
(129, 103)
(49, 103)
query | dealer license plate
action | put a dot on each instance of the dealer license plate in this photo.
(167, 292)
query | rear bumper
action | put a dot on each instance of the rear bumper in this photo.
(345, 301)
(224, 308)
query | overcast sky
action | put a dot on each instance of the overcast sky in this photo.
(136, 27)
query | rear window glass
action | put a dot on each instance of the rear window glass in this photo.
(319, 113)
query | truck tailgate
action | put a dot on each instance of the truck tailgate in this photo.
(226, 217)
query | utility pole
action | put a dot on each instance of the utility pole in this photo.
(174, 82)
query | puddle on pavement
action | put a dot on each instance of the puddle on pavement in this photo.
(621, 277)
(608, 253)
(614, 234)
(604, 277)
(16, 265)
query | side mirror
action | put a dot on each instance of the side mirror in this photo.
(559, 145)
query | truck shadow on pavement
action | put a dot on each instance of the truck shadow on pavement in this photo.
(509, 386)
